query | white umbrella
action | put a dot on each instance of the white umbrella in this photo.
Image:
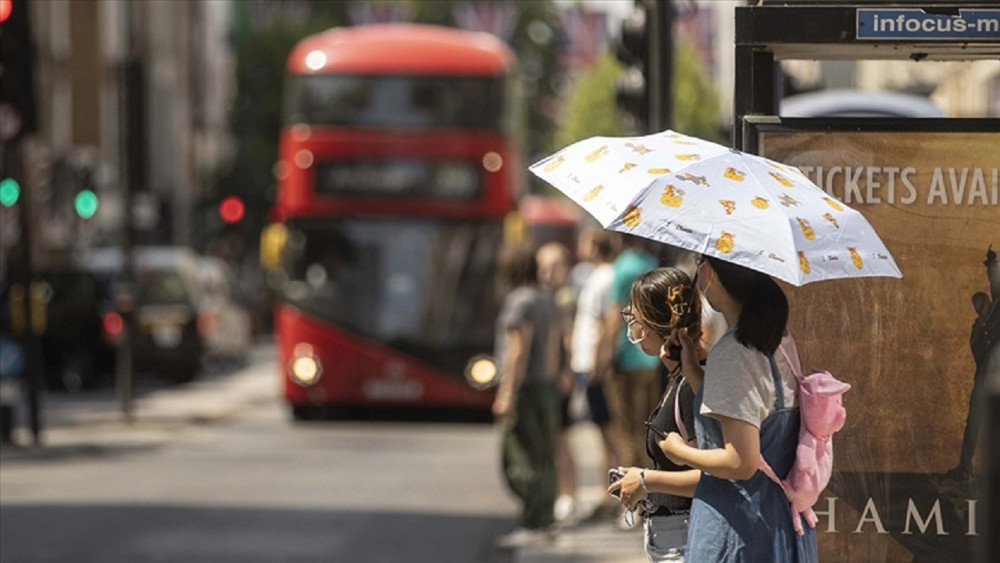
(707, 198)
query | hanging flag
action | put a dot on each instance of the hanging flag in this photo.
(365, 13)
(496, 18)
(586, 34)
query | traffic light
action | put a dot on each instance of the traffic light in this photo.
(645, 91)
(232, 210)
(85, 203)
(17, 101)
(10, 190)
(632, 91)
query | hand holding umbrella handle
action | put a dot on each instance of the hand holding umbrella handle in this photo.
(689, 351)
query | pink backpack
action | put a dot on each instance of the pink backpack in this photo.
(821, 413)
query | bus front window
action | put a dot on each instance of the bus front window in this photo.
(423, 287)
(407, 102)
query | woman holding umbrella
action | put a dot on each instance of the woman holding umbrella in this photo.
(746, 407)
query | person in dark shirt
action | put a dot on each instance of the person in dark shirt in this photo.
(661, 302)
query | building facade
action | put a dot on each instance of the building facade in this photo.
(129, 96)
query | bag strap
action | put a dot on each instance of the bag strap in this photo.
(794, 366)
(677, 412)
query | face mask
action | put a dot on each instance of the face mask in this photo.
(704, 291)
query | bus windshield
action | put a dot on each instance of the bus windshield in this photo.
(395, 101)
(424, 287)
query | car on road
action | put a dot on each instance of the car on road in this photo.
(167, 341)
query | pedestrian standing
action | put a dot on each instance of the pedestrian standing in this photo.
(632, 384)
(588, 329)
(746, 408)
(661, 302)
(554, 263)
(526, 403)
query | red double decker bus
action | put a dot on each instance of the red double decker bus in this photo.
(398, 163)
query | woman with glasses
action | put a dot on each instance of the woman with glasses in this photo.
(662, 303)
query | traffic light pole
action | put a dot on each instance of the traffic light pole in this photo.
(661, 71)
(125, 304)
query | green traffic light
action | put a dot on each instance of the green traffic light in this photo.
(10, 192)
(85, 204)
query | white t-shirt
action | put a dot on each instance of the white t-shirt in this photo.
(595, 298)
(738, 382)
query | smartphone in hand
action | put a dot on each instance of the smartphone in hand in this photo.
(614, 475)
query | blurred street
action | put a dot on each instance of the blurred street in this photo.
(216, 470)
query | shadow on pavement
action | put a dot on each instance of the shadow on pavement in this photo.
(135, 534)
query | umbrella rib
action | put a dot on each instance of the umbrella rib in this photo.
(785, 219)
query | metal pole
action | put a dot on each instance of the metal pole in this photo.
(23, 295)
(662, 102)
(126, 298)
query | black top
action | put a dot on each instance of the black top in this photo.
(662, 418)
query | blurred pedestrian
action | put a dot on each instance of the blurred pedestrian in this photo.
(554, 263)
(588, 328)
(746, 407)
(632, 383)
(663, 301)
(526, 403)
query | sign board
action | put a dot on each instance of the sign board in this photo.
(906, 484)
(920, 25)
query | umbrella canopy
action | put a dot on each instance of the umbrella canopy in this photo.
(707, 198)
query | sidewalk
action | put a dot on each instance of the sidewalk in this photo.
(589, 541)
(97, 419)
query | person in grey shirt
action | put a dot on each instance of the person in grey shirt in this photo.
(527, 349)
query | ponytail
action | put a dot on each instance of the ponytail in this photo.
(764, 316)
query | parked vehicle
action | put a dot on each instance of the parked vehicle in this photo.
(167, 341)
(225, 325)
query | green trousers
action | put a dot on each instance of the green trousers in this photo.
(529, 451)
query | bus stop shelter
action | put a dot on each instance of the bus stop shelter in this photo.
(901, 489)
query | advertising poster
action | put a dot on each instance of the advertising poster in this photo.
(916, 350)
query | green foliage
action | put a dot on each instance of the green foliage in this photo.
(696, 102)
(590, 107)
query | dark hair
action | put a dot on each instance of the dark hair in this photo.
(518, 265)
(765, 308)
(665, 299)
(606, 245)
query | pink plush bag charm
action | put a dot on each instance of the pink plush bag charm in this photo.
(821, 414)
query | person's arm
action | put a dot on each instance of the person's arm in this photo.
(737, 459)
(514, 365)
(677, 483)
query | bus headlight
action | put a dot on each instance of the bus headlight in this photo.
(305, 368)
(481, 372)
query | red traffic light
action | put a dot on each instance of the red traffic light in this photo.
(6, 7)
(232, 209)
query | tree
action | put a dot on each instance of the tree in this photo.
(590, 107)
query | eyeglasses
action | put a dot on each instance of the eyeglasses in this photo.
(630, 320)
(627, 315)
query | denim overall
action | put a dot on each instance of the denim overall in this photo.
(749, 521)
